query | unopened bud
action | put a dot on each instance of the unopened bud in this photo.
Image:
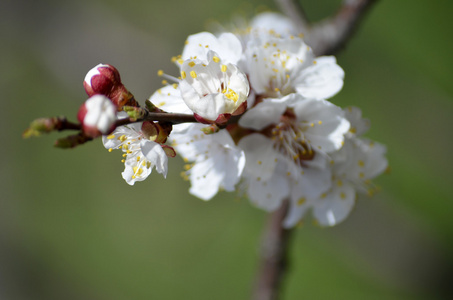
(97, 116)
(105, 80)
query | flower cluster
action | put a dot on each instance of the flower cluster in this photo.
(264, 127)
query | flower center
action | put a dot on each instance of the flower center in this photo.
(289, 139)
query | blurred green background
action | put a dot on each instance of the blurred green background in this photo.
(71, 228)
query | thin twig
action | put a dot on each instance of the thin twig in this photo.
(330, 35)
(273, 256)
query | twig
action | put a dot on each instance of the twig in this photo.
(330, 35)
(273, 256)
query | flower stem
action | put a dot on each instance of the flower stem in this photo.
(272, 256)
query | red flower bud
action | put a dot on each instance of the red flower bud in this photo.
(105, 80)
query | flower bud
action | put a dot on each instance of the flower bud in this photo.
(105, 80)
(97, 116)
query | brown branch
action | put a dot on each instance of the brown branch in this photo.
(330, 35)
(273, 256)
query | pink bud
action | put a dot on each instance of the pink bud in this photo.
(102, 79)
(105, 80)
(97, 116)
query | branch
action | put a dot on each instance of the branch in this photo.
(273, 256)
(330, 35)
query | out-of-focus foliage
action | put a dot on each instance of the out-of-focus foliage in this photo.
(71, 228)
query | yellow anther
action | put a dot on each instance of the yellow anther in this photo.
(164, 82)
(180, 61)
(161, 104)
(361, 175)
(312, 124)
(315, 62)
(339, 183)
(216, 59)
(193, 74)
(260, 162)
(323, 195)
(258, 179)
(319, 122)
(175, 85)
(183, 74)
(160, 73)
(301, 35)
(112, 136)
(138, 158)
(223, 68)
(352, 129)
(123, 161)
(191, 64)
(342, 195)
(124, 155)
(301, 201)
(110, 149)
(148, 164)
(361, 163)
(186, 42)
(275, 70)
(277, 89)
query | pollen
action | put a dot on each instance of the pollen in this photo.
(191, 64)
(216, 59)
(183, 74)
(301, 201)
(223, 68)
(193, 74)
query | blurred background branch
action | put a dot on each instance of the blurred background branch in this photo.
(328, 36)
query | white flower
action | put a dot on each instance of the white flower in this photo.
(270, 177)
(214, 161)
(97, 115)
(353, 167)
(309, 125)
(211, 88)
(141, 154)
(279, 66)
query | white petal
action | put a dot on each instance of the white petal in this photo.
(156, 155)
(321, 80)
(262, 115)
(261, 158)
(336, 206)
(227, 45)
(268, 195)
